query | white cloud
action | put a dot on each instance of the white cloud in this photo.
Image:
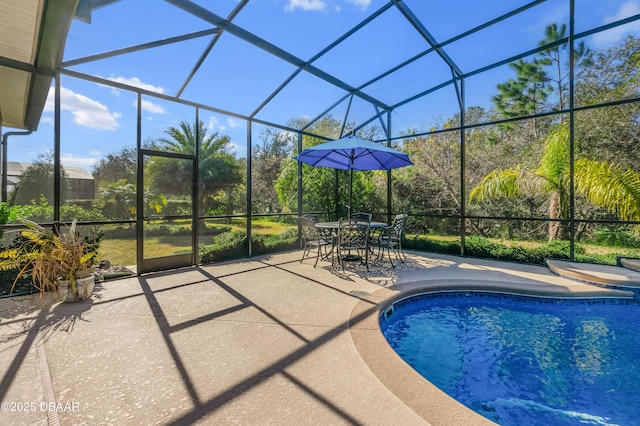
(557, 13)
(136, 82)
(362, 4)
(71, 160)
(233, 124)
(305, 5)
(626, 10)
(214, 126)
(321, 5)
(48, 120)
(85, 111)
(150, 107)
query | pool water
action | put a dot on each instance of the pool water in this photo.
(525, 360)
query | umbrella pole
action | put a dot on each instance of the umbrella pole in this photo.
(336, 196)
(350, 257)
(350, 190)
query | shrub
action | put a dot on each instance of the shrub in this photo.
(233, 245)
(230, 245)
(481, 247)
(262, 244)
(435, 246)
(177, 207)
(168, 231)
(476, 246)
(214, 230)
(119, 232)
(616, 236)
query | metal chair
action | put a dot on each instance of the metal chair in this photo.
(391, 239)
(314, 239)
(353, 236)
(361, 217)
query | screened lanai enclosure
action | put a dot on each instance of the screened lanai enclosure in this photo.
(521, 119)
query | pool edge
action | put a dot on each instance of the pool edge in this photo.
(424, 398)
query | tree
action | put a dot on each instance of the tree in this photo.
(319, 183)
(433, 183)
(36, 182)
(526, 94)
(118, 199)
(609, 186)
(553, 57)
(612, 133)
(267, 163)
(218, 169)
(116, 167)
(536, 80)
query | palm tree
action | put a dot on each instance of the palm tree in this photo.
(218, 169)
(612, 187)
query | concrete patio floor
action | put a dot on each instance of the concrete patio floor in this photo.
(261, 341)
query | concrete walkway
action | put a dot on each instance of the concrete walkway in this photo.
(254, 342)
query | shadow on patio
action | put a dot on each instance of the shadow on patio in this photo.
(254, 342)
(261, 341)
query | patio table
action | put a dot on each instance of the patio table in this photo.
(334, 225)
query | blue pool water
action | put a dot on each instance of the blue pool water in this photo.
(525, 360)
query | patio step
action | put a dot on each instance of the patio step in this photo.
(603, 275)
(633, 264)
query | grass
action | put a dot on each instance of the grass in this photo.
(264, 225)
(122, 251)
(118, 252)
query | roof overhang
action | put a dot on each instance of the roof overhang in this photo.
(32, 41)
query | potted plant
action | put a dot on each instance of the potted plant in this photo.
(61, 262)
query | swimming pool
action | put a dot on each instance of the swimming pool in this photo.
(524, 360)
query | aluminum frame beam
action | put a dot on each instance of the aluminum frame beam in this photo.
(241, 33)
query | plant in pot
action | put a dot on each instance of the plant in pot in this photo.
(61, 262)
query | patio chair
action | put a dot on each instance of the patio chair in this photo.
(314, 239)
(353, 236)
(311, 216)
(391, 239)
(361, 217)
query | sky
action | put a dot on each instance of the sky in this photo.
(238, 77)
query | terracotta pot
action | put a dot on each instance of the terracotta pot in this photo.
(84, 287)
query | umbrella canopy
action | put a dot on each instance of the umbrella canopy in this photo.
(353, 153)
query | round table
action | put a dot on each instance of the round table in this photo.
(336, 225)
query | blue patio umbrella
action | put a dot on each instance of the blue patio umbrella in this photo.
(353, 153)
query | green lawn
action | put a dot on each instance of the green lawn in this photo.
(122, 251)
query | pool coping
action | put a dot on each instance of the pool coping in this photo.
(424, 398)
